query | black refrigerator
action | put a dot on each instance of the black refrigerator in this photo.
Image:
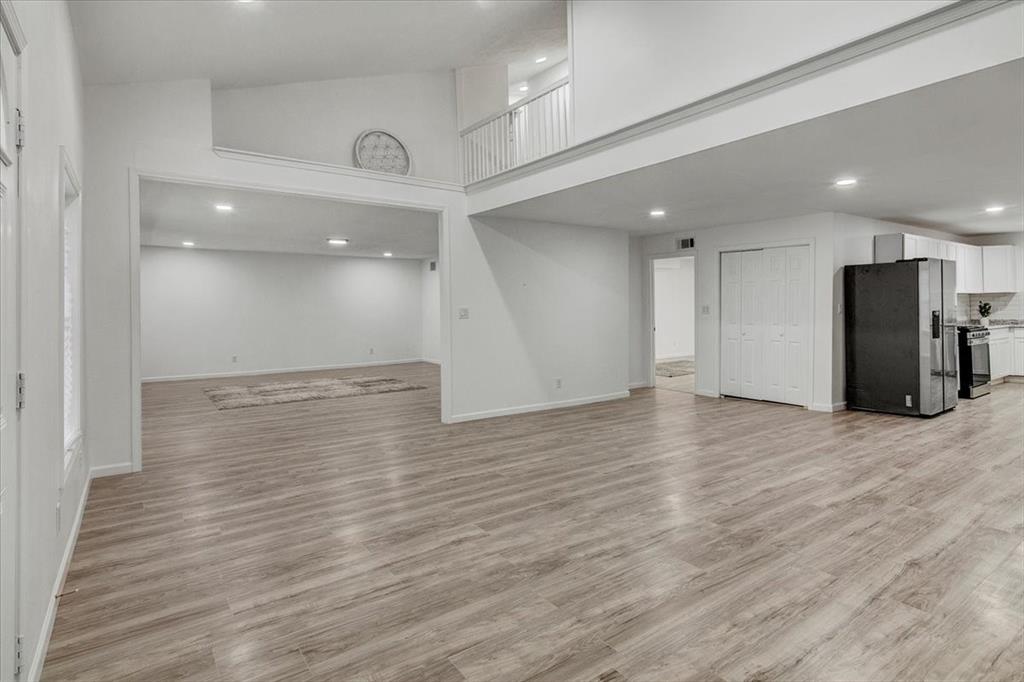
(901, 338)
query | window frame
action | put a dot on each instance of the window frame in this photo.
(70, 207)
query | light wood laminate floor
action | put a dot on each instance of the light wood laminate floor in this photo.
(666, 536)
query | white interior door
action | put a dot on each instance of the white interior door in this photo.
(9, 334)
(766, 325)
(751, 326)
(798, 326)
(774, 298)
(730, 346)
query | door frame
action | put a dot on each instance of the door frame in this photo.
(12, 505)
(716, 312)
(135, 177)
(649, 309)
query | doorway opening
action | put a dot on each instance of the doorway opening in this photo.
(675, 359)
(254, 303)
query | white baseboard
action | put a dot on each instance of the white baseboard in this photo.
(281, 370)
(536, 407)
(432, 362)
(111, 470)
(827, 407)
(35, 669)
(706, 393)
(639, 384)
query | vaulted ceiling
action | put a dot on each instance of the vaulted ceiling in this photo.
(263, 42)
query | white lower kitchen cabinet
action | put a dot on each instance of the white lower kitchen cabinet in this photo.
(1000, 352)
(1018, 351)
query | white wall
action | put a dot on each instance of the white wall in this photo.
(320, 121)
(274, 311)
(52, 100)
(503, 358)
(633, 59)
(546, 301)
(481, 91)
(673, 308)
(537, 83)
(120, 122)
(430, 314)
(837, 240)
(639, 343)
(815, 230)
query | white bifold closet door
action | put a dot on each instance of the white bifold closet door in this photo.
(765, 335)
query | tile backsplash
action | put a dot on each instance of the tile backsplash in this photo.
(1004, 306)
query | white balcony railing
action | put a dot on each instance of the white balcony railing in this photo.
(529, 129)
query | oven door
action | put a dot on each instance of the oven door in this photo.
(981, 372)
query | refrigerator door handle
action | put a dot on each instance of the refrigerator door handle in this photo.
(936, 324)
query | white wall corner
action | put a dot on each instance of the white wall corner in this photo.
(38, 658)
(111, 470)
(536, 407)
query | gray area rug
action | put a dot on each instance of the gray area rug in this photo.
(231, 397)
(676, 368)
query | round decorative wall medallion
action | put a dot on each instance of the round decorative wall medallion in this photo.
(379, 150)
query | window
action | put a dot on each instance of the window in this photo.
(71, 258)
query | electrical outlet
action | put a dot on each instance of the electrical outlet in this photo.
(705, 310)
(234, 358)
(371, 350)
(463, 313)
(558, 382)
(909, 400)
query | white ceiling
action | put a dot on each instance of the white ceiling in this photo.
(521, 71)
(262, 221)
(936, 156)
(264, 42)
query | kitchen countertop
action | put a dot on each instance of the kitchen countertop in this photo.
(994, 324)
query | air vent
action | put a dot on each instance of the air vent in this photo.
(684, 243)
(433, 265)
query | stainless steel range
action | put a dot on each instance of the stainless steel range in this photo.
(975, 370)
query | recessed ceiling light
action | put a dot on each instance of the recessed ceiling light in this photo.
(846, 182)
(224, 208)
(995, 209)
(540, 60)
(334, 241)
(524, 88)
(188, 243)
(657, 213)
(388, 254)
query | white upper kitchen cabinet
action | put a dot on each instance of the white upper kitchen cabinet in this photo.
(997, 269)
(969, 279)
(979, 269)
